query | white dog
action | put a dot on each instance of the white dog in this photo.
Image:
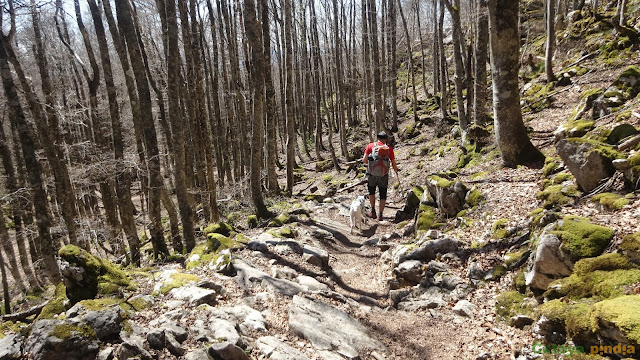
(357, 213)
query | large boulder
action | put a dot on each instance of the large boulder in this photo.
(328, 328)
(548, 263)
(590, 162)
(560, 245)
(624, 88)
(85, 276)
(448, 195)
(274, 349)
(11, 347)
(62, 340)
(105, 317)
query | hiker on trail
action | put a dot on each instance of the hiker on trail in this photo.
(378, 156)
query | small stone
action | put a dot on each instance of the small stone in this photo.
(227, 351)
(464, 308)
(520, 321)
(484, 356)
(621, 164)
(433, 234)
(173, 345)
(106, 354)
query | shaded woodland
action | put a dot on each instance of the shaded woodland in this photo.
(129, 124)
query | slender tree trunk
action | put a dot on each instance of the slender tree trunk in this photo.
(291, 134)
(16, 205)
(551, 40)
(377, 84)
(173, 94)
(125, 20)
(272, 177)
(511, 134)
(393, 64)
(3, 272)
(482, 42)
(454, 11)
(254, 37)
(444, 84)
(16, 114)
(414, 99)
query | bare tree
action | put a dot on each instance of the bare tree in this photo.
(511, 134)
(551, 40)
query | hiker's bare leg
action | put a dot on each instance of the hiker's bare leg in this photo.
(382, 204)
(372, 201)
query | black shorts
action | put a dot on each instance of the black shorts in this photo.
(381, 182)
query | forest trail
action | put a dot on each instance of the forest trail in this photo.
(358, 271)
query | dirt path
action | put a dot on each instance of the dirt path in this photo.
(359, 273)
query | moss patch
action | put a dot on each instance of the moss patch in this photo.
(550, 166)
(499, 228)
(252, 221)
(603, 277)
(474, 197)
(177, 280)
(56, 306)
(558, 195)
(631, 242)
(101, 276)
(66, 331)
(624, 312)
(573, 315)
(426, 218)
(611, 201)
(581, 239)
(511, 303)
(219, 228)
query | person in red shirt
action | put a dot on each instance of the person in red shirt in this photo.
(381, 180)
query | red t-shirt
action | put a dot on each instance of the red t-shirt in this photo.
(369, 150)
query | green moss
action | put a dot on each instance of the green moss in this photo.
(219, 228)
(177, 280)
(288, 232)
(606, 150)
(624, 312)
(474, 197)
(536, 98)
(139, 304)
(604, 277)
(515, 257)
(499, 228)
(611, 201)
(441, 182)
(57, 305)
(519, 282)
(252, 221)
(327, 178)
(324, 165)
(102, 304)
(578, 128)
(558, 195)
(573, 315)
(66, 331)
(426, 218)
(550, 166)
(631, 242)
(562, 177)
(581, 239)
(511, 303)
(102, 276)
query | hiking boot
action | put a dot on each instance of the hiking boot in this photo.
(380, 217)
(372, 214)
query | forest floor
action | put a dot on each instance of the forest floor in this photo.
(358, 273)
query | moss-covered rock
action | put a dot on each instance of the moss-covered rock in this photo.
(513, 259)
(512, 303)
(631, 247)
(558, 195)
(219, 228)
(622, 313)
(474, 197)
(620, 132)
(550, 166)
(283, 232)
(426, 218)
(324, 165)
(580, 238)
(56, 306)
(98, 277)
(519, 283)
(573, 316)
(611, 201)
(499, 228)
(603, 277)
(173, 279)
(252, 221)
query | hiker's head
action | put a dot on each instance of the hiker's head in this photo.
(382, 136)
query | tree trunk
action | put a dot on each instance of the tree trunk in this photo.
(511, 134)
(125, 20)
(254, 36)
(173, 95)
(5, 284)
(444, 84)
(414, 99)
(551, 40)
(482, 42)
(458, 43)
(16, 114)
(377, 83)
(272, 152)
(291, 134)
(16, 204)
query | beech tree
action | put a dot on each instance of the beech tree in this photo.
(511, 134)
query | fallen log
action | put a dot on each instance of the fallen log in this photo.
(629, 143)
(23, 315)
(363, 181)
